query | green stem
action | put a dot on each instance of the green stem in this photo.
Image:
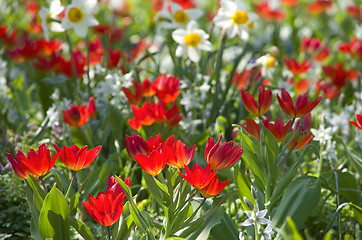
(43, 184)
(109, 232)
(70, 184)
(74, 69)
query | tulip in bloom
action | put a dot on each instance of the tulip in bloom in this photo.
(166, 88)
(354, 48)
(205, 181)
(154, 162)
(136, 97)
(79, 115)
(302, 105)
(135, 145)
(107, 208)
(252, 128)
(319, 6)
(295, 67)
(75, 158)
(114, 185)
(315, 47)
(278, 129)
(223, 156)
(359, 120)
(264, 101)
(36, 164)
(79, 16)
(302, 137)
(242, 80)
(179, 154)
(191, 41)
(269, 13)
(339, 75)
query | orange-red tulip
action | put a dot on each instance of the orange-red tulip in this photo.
(36, 164)
(302, 105)
(278, 129)
(264, 101)
(180, 155)
(295, 67)
(76, 115)
(153, 163)
(166, 87)
(75, 158)
(359, 120)
(213, 188)
(114, 185)
(223, 156)
(302, 137)
(197, 176)
(107, 208)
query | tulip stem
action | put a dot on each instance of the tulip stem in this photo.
(43, 184)
(109, 232)
(70, 184)
(74, 69)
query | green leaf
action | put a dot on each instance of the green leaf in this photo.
(225, 230)
(53, 216)
(287, 178)
(81, 228)
(153, 187)
(243, 183)
(37, 192)
(137, 215)
(289, 231)
(203, 232)
(252, 160)
(298, 202)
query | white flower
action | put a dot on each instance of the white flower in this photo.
(79, 16)
(47, 15)
(256, 217)
(267, 232)
(191, 41)
(267, 64)
(241, 237)
(179, 17)
(233, 17)
(322, 134)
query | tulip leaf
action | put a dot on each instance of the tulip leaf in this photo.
(53, 216)
(252, 160)
(225, 230)
(137, 215)
(243, 183)
(34, 227)
(299, 200)
(287, 178)
(289, 231)
(37, 192)
(203, 232)
(81, 228)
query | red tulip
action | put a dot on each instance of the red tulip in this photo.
(92, 110)
(354, 48)
(205, 181)
(47, 64)
(76, 115)
(180, 155)
(278, 129)
(153, 163)
(114, 185)
(8, 38)
(36, 164)
(242, 80)
(75, 158)
(135, 145)
(223, 156)
(302, 137)
(197, 176)
(295, 67)
(166, 87)
(172, 117)
(264, 101)
(107, 208)
(302, 105)
(18, 166)
(338, 75)
(269, 14)
(147, 88)
(185, 4)
(136, 97)
(315, 47)
(359, 120)
(252, 128)
(213, 188)
(319, 6)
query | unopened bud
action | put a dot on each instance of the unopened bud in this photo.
(274, 51)
(248, 203)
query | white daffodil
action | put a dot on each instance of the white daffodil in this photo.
(234, 17)
(191, 41)
(267, 64)
(48, 15)
(179, 17)
(79, 16)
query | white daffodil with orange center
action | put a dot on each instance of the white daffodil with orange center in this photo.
(48, 17)
(235, 19)
(179, 17)
(79, 16)
(191, 41)
(267, 64)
